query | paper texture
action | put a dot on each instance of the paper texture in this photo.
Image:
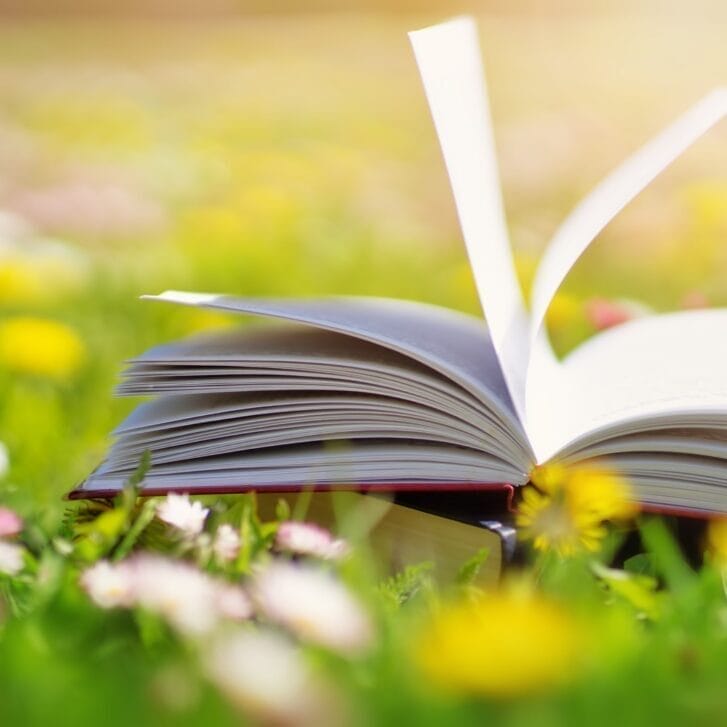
(448, 56)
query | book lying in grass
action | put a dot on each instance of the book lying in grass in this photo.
(373, 393)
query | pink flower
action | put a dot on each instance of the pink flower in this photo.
(694, 300)
(603, 313)
(10, 523)
(309, 539)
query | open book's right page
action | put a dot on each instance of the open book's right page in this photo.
(656, 367)
(660, 367)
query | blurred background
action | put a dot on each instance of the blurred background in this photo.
(285, 148)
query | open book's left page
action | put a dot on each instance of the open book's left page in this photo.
(346, 390)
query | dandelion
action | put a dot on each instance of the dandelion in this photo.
(181, 513)
(314, 606)
(10, 523)
(226, 545)
(12, 558)
(309, 539)
(567, 511)
(267, 678)
(504, 645)
(40, 347)
(109, 586)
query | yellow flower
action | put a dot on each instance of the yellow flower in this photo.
(564, 312)
(506, 644)
(41, 347)
(717, 540)
(39, 271)
(20, 283)
(568, 510)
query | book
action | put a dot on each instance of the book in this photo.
(445, 531)
(392, 395)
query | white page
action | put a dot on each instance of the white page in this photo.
(449, 61)
(657, 368)
(553, 407)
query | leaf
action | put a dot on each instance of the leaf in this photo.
(640, 564)
(637, 589)
(140, 523)
(471, 568)
(130, 493)
(403, 586)
(665, 554)
(282, 510)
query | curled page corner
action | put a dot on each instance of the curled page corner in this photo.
(449, 61)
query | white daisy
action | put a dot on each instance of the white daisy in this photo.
(109, 585)
(267, 677)
(190, 600)
(226, 545)
(181, 513)
(176, 590)
(309, 539)
(313, 605)
(233, 603)
(4, 459)
(11, 558)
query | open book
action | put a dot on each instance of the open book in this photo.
(368, 393)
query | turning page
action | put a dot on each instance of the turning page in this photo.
(448, 56)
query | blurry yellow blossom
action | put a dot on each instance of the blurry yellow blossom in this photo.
(20, 283)
(564, 312)
(506, 644)
(717, 540)
(567, 511)
(40, 346)
(707, 200)
(36, 269)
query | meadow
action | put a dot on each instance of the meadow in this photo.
(294, 155)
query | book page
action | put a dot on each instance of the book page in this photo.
(454, 344)
(549, 392)
(448, 56)
(660, 368)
